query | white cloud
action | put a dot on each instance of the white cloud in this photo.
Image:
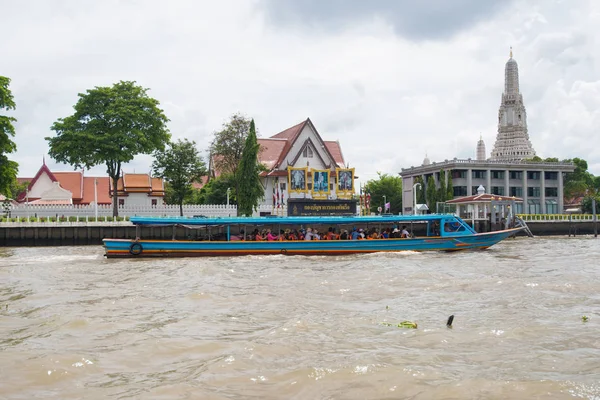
(389, 99)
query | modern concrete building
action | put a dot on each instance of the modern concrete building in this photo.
(507, 172)
(539, 184)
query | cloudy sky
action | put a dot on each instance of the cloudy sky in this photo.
(392, 80)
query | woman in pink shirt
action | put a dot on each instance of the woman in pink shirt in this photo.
(271, 237)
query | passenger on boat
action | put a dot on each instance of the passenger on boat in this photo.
(395, 233)
(354, 235)
(404, 233)
(344, 235)
(271, 237)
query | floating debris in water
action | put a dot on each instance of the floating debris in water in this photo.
(584, 318)
(403, 324)
(450, 320)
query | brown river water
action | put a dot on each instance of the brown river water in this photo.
(75, 325)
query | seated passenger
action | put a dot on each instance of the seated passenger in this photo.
(271, 237)
(404, 233)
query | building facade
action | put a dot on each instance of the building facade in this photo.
(74, 188)
(507, 172)
(539, 184)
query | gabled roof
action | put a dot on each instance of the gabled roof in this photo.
(71, 181)
(43, 169)
(270, 150)
(336, 151)
(291, 134)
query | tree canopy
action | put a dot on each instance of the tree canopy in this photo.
(228, 144)
(8, 168)
(249, 188)
(179, 165)
(111, 125)
(215, 191)
(389, 186)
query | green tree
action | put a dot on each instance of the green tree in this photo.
(215, 191)
(111, 125)
(449, 188)
(389, 186)
(580, 181)
(249, 189)
(179, 165)
(431, 194)
(228, 144)
(8, 168)
(421, 190)
(442, 191)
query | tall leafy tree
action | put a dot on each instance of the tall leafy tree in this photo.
(431, 195)
(249, 189)
(389, 186)
(8, 168)
(580, 181)
(442, 191)
(228, 144)
(449, 187)
(421, 190)
(179, 165)
(215, 191)
(110, 126)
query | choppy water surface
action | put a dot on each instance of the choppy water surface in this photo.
(75, 325)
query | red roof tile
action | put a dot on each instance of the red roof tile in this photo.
(336, 152)
(200, 185)
(103, 190)
(71, 181)
(270, 151)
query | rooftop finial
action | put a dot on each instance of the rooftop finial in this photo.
(510, 51)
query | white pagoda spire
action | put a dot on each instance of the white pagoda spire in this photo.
(512, 141)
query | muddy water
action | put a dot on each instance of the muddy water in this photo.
(74, 325)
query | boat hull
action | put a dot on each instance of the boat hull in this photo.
(121, 248)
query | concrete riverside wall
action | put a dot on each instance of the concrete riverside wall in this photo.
(66, 234)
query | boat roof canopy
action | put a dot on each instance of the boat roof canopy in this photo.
(315, 220)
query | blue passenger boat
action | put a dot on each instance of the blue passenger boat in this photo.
(231, 236)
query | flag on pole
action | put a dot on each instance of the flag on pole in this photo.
(278, 203)
(387, 205)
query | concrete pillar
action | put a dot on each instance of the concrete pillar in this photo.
(525, 205)
(561, 200)
(543, 191)
(469, 182)
(506, 183)
(488, 181)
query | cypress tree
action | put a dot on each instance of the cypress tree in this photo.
(250, 190)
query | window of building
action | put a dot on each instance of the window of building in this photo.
(533, 191)
(551, 192)
(121, 202)
(459, 191)
(516, 191)
(308, 152)
(551, 207)
(534, 175)
(498, 190)
(518, 208)
(497, 174)
(478, 174)
(154, 202)
(459, 174)
(516, 175)
(551, 176)
(533, 207)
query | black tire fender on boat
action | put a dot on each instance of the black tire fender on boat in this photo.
(283, 251)
(136, 249)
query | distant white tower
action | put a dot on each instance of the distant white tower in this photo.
(512, 141)
(426, 160)
(480, 149)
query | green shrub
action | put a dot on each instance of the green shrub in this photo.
(52, 219)
(109, 219)
(13, 220)
(43, 219)
(126, 218)
(72, 219)
(119, 219)
(91, 219)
